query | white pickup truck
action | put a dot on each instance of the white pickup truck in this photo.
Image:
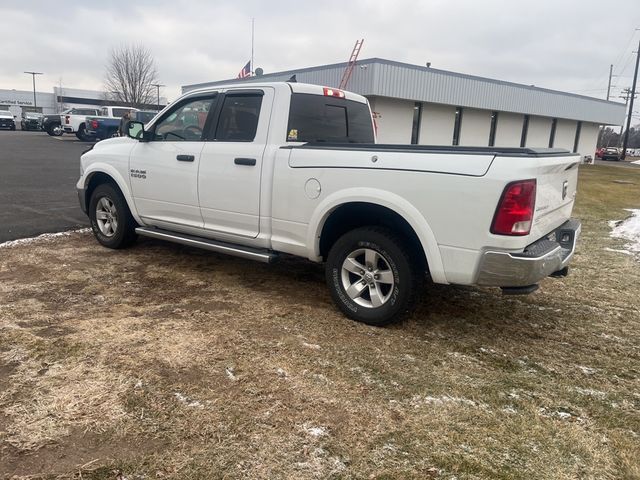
(267, 168)
(75, 120)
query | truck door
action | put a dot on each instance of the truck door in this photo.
(164, 170)
(231, 164)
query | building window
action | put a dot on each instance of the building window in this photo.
(457, 126)
(577, 139)
(525, 130)
(552, 135)
(492, 130)
(415, 129)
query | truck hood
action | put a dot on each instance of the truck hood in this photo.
(109, 142)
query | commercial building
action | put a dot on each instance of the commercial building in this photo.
(428, 106)
(17, 101)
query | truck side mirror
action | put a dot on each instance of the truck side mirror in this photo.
(135, 130)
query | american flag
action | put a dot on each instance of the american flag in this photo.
(246, 71)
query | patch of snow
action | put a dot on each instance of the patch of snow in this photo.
(187, 401)
(587, 370)
(589, 392)
(628, 229)
(419, 400)
(316, 431)
(281, 373)
(43, 237)
(510, 410)
(636, 162)
(615, 250)
(312, 346)
(231, 374)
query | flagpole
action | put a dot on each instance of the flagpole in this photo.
(252, 25)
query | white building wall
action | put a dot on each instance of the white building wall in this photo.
(436, 125)
(588, 139)
(475, 128)
(16, 99)
(395, 119)
(538, 132)
(565, 134)
(509, 129)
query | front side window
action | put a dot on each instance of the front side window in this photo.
(239, 118)
(184, 123)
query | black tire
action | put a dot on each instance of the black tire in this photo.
(55, 130)
(407, 270)
(124, 233)
(81, 135)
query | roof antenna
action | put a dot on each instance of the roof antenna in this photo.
(293, 79)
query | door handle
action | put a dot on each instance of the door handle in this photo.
(245, 161)
(185, 158)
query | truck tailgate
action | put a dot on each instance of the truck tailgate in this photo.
(556, 178)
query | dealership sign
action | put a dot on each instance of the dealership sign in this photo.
(15, 102)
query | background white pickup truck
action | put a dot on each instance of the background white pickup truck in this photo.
(285, 167)
(75, 120)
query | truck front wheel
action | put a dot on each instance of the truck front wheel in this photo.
(111, 221)
(372, 276)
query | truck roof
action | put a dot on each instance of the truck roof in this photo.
(295, 87)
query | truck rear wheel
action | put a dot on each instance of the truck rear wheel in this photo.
(111, 221)
(81, 134)
(372, 276)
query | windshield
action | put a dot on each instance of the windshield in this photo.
(6, 113)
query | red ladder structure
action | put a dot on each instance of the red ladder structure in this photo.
(352, 63)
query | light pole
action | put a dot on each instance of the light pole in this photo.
(158, 85)
(33, 75)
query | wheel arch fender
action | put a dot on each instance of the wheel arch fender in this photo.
(109, 173)
(382, 198)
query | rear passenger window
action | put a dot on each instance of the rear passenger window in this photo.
(316, 118)
(238, 120)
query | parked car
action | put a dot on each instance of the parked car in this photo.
(31, 121)
(270, 168)
(73, 121)
(610, 153)
(52, 124)
(7, 120)
(99, 128)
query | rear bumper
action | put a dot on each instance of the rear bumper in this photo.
(539, 260)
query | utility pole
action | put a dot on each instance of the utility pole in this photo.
(625, 95)
(610, 75)
(158, 85)
(633, 96)
(33, 75)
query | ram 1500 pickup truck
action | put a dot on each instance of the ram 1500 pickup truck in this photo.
(268, 168)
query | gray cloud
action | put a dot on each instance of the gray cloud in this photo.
(565, 45)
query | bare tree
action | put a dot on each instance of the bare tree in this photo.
(131, 71)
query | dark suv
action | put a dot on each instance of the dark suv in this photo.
(610, 153)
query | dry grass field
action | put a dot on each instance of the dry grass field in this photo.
(163, 362)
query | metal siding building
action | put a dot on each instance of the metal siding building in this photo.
(394, 89)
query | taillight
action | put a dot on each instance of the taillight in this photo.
(514, 214)
(333, 92)
(94, 124)
(66, 119)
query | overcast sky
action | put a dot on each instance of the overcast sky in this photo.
(560, 44)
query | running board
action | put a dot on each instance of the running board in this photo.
(264, 256)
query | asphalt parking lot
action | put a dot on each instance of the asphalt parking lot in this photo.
(37, 184)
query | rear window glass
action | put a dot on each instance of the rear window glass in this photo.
(119, 112)
(316, 118)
